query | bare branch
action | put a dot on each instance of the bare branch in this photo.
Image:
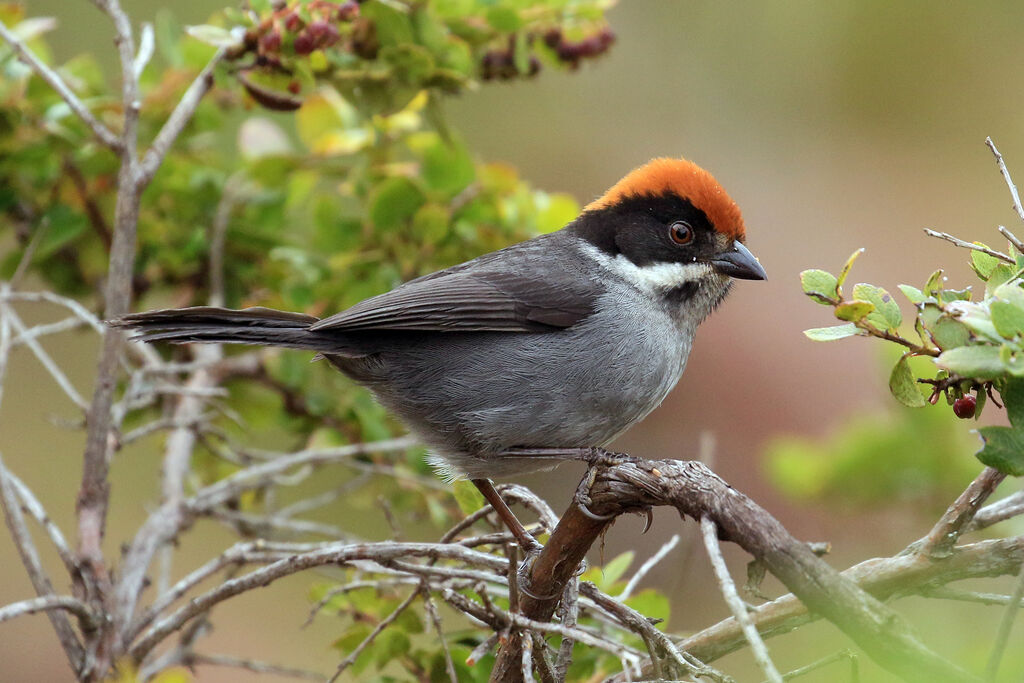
(970, 245)
(384, 623)
(145, 53)
(1001, 510)
(178, 119)
(1006, 176)
(1003, 635)
(35, 508)
(944, 535)
(30, 558)
(50, 602)
(736, 605)
(51, 78)
(648, 566)
(945, 593)
(44, 358)
(435, 619)
(253, 665)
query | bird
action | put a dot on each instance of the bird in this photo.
(558, 343)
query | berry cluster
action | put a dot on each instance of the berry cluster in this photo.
(573, 51)
(315, 29)
(501, 63)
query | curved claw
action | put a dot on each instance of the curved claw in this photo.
(523, 574)
(586, 511)
(649, 514)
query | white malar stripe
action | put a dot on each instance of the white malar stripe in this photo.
(651, 278)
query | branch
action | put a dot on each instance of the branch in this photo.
(40, 581)
(193, 659)
(618, 485)
(51, 77)
(970, 245)
(50, 602)
(1005, 625)
(732, 598)
(1006, 176)
(178, 119)
(944, 535)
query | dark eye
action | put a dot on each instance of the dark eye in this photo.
(680, 232)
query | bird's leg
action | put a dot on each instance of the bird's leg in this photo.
(527, 542)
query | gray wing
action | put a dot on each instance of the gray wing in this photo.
(526, 294)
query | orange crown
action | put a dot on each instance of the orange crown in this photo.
(686, 179)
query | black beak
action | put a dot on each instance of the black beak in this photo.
(739, 263)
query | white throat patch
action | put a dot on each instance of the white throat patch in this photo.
(652, 278)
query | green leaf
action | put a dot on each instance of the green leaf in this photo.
(977, 362)
(846, 269)
(982, 263)
(821, 286)
(1003, 449)
(1013, 399)
(214, 35)
(650, 603)
(853, 311)
(948, 333)
(903, 385)
(467, 497)
(393, 202)
(823, 334)
(886, 315)
(1007, 318)
(913, 294)
(614, 570)
(447, 168)
(555, 210)
(934, 283)
(504, 19)
(1000, 275)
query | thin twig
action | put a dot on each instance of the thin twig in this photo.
(252, 665)
(1013, 239)
(999, 511)
(44, 358)
(435, 620)
(57, 83)
(735, 603)
(940, 540)
(33, 566)
(970, 245)
(35, 508)
(178, 119)
(946, 593)
(1005, 626)
(384, 623)
(648, 566)
(50, 602)
(824, 661)
(1006, 176)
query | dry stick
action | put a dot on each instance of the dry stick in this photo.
(44, 358)
(1006, 176)
(195, 658)
(57, 83)
(647, 566)
(824, 661)
(435, 620)
(34, 567)
(1000, 511)
(36, 509)
(944, 593)
(940, 540)
(970, 245)
(614, 487)
(659, 645)
(50, 602)
(736, 605)
(384, 623)
(568, 615)
(884, 578)
(1003, 636)
(1013, 239)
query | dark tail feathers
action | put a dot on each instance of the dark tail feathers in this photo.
(209, 325)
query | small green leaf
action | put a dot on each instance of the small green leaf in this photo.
(1013, 399)
(903, 385)
(886, 315)
(614, 570)
(821, 286)
(1000, 275)
(1003, 449)
(467, 496)
(504, 19)
(934, 283)
(1007, 318)
(846, 269)
(393, 202)
(824, 334)
(913, 294)
(854, 310)
(948, 333)
(977, 362)
(982, 263)
(214, 35)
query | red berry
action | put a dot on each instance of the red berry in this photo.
(347, 11)
(965, 406)
(270, 42)
(304, 43)
(293, 22)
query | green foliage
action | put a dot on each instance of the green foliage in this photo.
(903, 455)
(974, 346)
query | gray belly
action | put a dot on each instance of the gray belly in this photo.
(469, 396)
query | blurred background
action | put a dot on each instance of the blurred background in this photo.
(835, 126)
